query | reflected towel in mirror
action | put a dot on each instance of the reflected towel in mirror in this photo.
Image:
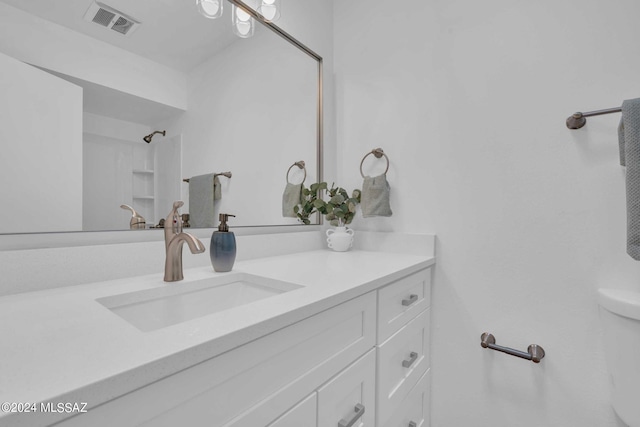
(217, 189)
(201, 197)
(290, 199)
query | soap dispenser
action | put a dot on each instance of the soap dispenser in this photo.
(223, 246)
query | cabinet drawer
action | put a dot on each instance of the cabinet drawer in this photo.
(402, 360)
(279, 367)
(303, 414)
(262, 415)
(401, 301)
(414, 410)
(339, 400)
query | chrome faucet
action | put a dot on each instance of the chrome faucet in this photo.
(174, 238)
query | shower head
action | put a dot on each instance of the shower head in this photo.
(148, 138)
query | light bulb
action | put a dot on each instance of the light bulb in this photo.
(211, 9)
(243, 23)
(270, 10)
(242, 15)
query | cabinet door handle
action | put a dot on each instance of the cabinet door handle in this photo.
(408, 301)
(359, 412)
(413, 424)
(413, 356)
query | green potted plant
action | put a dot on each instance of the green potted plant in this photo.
(339, 210)
(310, 201)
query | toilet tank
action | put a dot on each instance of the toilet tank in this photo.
(620, 315)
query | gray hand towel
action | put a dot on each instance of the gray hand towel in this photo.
(291, 198)
(217, 189)
(629, 133)
(621, 142)
(201, 196)
(375, 197)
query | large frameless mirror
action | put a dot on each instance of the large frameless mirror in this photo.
(94, 122)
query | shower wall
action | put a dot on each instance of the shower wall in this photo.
(469, 100)
(112, 150)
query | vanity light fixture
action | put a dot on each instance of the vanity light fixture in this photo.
(270, 10)
(243, 23)
(211, 9)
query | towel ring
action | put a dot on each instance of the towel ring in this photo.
(301, 165)
(378, 152)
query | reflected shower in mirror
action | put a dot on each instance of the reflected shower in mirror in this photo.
(94, 119)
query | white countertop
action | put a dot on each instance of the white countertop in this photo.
(60, 345)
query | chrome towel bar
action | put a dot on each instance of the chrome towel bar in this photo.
(534, 352)
(227, 174)
(577, 120)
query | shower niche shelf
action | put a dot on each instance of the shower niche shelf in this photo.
(143, 188)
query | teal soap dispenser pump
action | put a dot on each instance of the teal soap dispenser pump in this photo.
(223, 246)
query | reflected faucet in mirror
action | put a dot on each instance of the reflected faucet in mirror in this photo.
(174, 238)
(137, 221)
(149, 137)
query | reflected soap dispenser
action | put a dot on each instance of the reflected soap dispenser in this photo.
(223, 246)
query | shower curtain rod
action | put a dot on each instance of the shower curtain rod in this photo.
(577, 120)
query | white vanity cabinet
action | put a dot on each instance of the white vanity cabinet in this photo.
(414, 410)
(303, 414)
(349, 399)
(403, 350)
(339, 367)
(252, 385)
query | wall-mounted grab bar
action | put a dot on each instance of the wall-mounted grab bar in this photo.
(534, 352)
(577, 120)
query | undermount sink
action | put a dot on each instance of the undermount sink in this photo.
(157, 308)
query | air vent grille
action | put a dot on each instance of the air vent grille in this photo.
(110, 18)
(103, 17)
(122, 25)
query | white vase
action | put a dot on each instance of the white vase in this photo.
(340, 239)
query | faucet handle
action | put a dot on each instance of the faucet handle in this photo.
(173, 220)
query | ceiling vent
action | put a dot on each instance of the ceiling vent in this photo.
(111, 19)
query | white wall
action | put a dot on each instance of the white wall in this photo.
(238, 100)
(469, 99)
(41, 123)
(311, 22)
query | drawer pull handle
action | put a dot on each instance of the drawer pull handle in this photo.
(412, 298)
(413, 356)
(413, 424)
(359, 412)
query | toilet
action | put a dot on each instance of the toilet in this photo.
(620, 316)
